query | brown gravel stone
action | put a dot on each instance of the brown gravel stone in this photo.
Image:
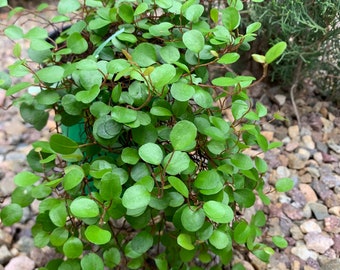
(318, 242)
(308, 192)
(292, 212)
(332, 224)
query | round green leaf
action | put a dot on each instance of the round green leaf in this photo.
(244, 197)
(130, 155)
(11, 214)
(194, 12)
(179, 185)
(284, 184)
(182, 91)
(123, 115)
(184, 240)
(274, 52)
(58, 214)
(22, 196)
(144, 54)
(209, 179)
(151, 153)
(136, 197)
(160, 111)
(14, 32)
(220, 239)
(242, 161)
(25, 179)
(194, 40)
(203, 98)
(142, 242)
(229, 58)
(279, 241)
(92, 261)
(63, 145)
(59, 236)
(73, 177)
(170, 54)
(77, 43)
(97, 235)
(161, 29)
(67, 6)
(87, 96)
(239, 108)
(162, 75)
(231, 18)
(192, 218)
(183, 136)
(41, 191)
(50, 74)
(111, 257)
(110, 186)
(176, 162)
(83, 207)
(144, 134)
(218, 212)
(73, 247)
(125, 11)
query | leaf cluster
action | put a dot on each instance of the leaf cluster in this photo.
(143, 166)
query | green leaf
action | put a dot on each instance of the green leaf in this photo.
(140, 9)
(253, 27)
(274, 52)
(130, 155)
(183, 136)
(83, 207)
(218, 212)
(11, 214)
(63, 145)
(36, 33)
(194, 40)
(25, 179)
(22, 196)
(194, 12)
(58, 214)
(203, 98)
(77, 43)
(111, 257)
(87, 96)
(258, 58)
(176, 162)
(279, 241)
(17, 50)
(67, 6)
(125, 11)
(261, 165)
(169, 54)
(59, 236)
(239, 108)
(97, 235)
(14, 32)
(179, 185)
(242, 161)
(224, 81)
(5, 81)
(208, 180)
(220, 239)
(74, 174)
(123, 115)
(142, 242)
(50, 74)
(135, 197)
(36, 117)
(231, 18)
(192, 218)
(92, 261)
(241, 232)
(182, 91)
(110, 186)
(244, 197)
(161, 29)
(3, 3)
(144, 54)
(284, 184)
(184, 240)
(151, 153)
(229, 58)
(259, 219)
(165, 4)
(162, 75)
(73, 247)
(160, 111)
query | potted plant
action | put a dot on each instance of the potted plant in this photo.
(143, 170)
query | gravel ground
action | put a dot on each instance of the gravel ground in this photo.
(308, 216)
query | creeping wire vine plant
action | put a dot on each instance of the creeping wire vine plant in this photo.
(143, 170)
